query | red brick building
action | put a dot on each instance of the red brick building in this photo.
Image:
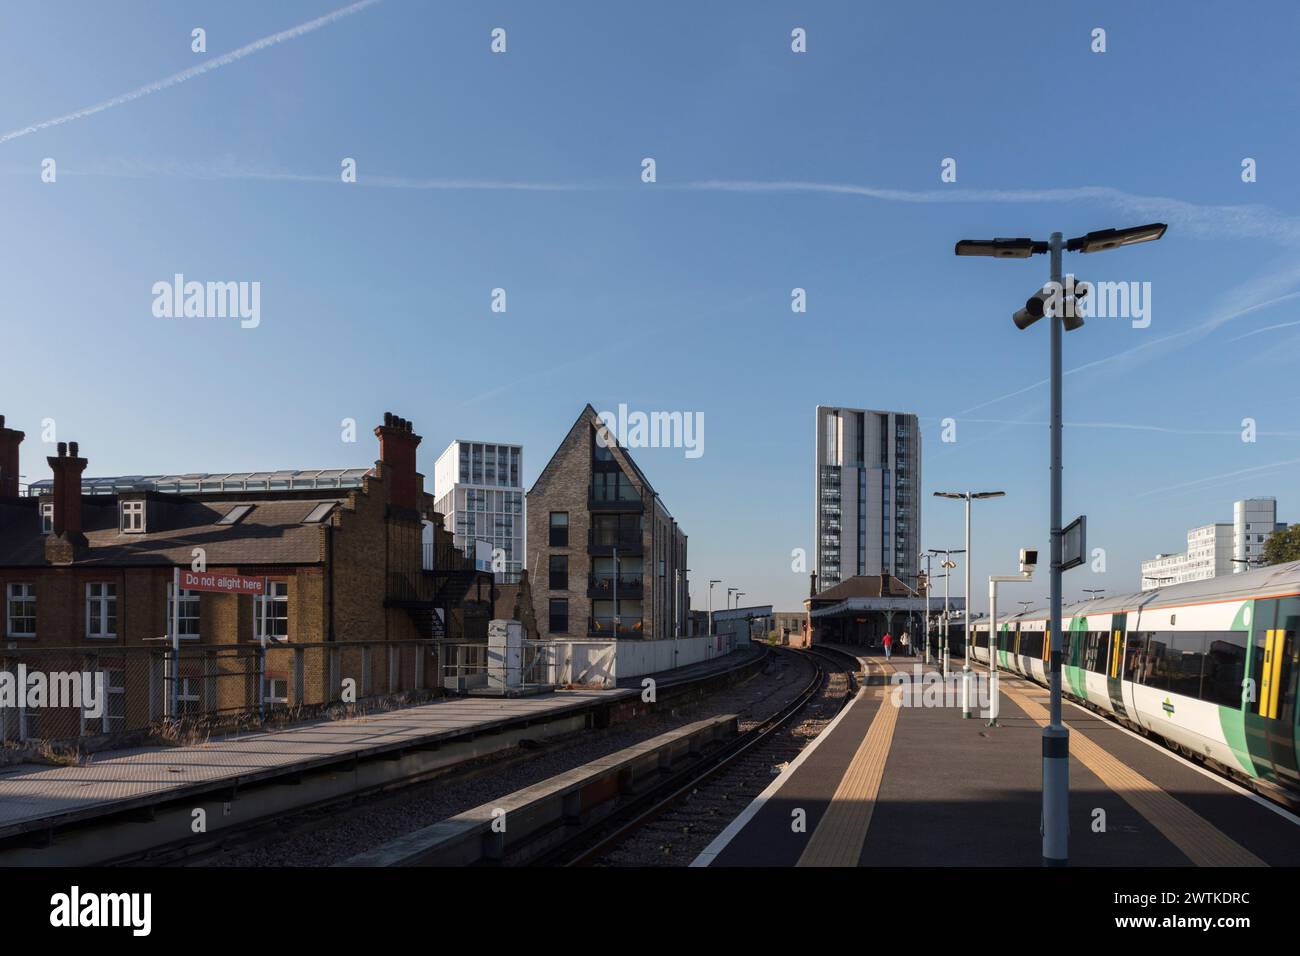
(358, 582)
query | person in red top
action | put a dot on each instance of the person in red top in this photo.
(889, 643)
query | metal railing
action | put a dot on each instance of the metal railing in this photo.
(111, 692)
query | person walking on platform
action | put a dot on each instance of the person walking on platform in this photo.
(904, 644)
(889, 643)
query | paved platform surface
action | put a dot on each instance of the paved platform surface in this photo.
(29, 794)
(908, 785)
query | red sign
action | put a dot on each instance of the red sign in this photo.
(219, 581)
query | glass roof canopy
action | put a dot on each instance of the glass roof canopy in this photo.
(203, 483)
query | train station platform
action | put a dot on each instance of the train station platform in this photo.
(36, 799)
(897, 781)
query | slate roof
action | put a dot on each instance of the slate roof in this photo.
(272, 533)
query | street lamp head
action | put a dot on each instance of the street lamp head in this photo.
(950, 494)
(1105, 239)
(1000, 248)
(988, 494)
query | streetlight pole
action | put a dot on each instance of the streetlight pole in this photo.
(947, 565)
(968, 497)
(1064, 317)
(712, 582)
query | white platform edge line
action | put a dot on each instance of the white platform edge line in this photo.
(721, 841)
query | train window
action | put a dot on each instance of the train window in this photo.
(1134, 645)
(1152, 671)
(1225, 666)
(1184, 657)
(1031, 643)
(1098, 657)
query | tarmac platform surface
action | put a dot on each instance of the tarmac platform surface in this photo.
(908, 785)
(34, 796)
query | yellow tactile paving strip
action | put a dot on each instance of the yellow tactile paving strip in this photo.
(842, 830)
(1198, 839)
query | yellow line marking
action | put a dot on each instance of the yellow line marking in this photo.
(842, 830)
(1199, 840)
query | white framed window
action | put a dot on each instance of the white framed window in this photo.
(272, 612)
(21, 609)
(189, 696)
(47, 517)
(275, 690)
(189, 612)
(132, 517)
(113, 709)
(101, 609)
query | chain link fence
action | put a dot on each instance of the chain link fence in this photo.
(103, 696)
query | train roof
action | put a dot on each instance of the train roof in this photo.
(1272, 580)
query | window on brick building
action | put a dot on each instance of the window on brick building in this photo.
(101, 609)
(559, 572)
(274, 623)
(132, 516)
(188, 620)
(47, 517)
(559, 617)
(21, 609)
(559, 529)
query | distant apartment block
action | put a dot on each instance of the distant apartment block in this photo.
(1214, 550)
(606, 557)
(478, 486)
(867, 494)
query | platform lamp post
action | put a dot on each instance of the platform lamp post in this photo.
(712, 582)
(730, 592)
(925, 556)
(1056, 740)
(1094, 592)
(968, 497)
(947, 564)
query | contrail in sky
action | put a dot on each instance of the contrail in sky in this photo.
(205, 67)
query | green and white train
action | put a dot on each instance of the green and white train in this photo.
(1210, 667)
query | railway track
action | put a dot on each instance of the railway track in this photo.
(668, 824)
(324, 833)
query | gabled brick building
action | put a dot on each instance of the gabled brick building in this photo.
(598, 534)
(89, 578)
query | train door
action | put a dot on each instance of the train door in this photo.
(1270, 709)
(1115, 664)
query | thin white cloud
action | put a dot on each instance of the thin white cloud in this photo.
(1267, 328)
(206, 66)
(1254, 470)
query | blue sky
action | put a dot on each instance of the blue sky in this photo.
(522, 171)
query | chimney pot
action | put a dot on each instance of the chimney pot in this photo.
(63, 449)
(72, 449)
(388, 419)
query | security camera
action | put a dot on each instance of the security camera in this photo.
(1028, 560)
(1054, 298)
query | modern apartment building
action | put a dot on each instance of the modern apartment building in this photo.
(1217, 549)
(478, 486)
(606, 557)
(1253, 520)
(867, 494)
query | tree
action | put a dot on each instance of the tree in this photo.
(1283, 546)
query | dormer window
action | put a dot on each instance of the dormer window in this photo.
(132, 517)
(47, 517)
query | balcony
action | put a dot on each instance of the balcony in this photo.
(604, 627)
(631, 587)
(621, 499)
(601, 542)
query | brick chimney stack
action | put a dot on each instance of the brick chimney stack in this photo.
(397, 444)
(10, 439)
(67, 542)
(812, 585)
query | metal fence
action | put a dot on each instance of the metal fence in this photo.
(62, 694)
(482, 668)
